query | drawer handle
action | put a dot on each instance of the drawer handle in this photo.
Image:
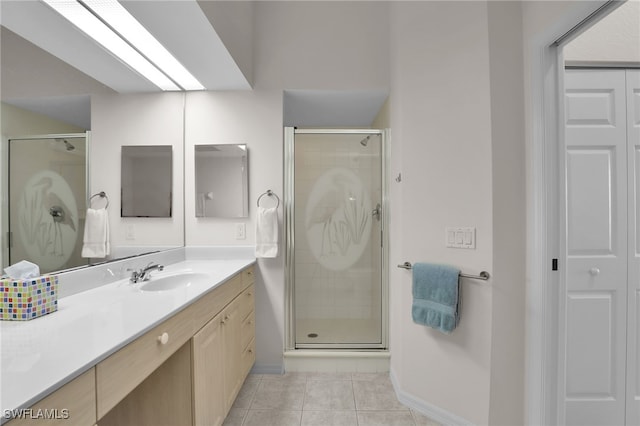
(163, 338)
(225, 319)
(249, 294)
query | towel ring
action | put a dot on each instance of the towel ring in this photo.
(269, 193)
(100, 194)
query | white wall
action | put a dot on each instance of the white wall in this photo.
(19, 122)
(233, 22)
(615, 39)
(321, 45)
(506, 404)
(441, 119)
(149, 119)
(252, 118)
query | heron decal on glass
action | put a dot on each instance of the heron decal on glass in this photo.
(337, 218)
(48, 218)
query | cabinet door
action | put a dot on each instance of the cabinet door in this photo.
(208, 369)
(232, 326)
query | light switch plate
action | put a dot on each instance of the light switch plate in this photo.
(460, 237)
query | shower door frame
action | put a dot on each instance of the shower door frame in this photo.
(289, 219)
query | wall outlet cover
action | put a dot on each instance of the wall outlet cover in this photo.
(241, 231)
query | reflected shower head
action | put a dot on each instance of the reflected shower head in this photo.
(365, 141)
(67, 144)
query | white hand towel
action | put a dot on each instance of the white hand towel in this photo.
(267, 232)
(96, 234)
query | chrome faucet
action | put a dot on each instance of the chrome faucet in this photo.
(144, 274)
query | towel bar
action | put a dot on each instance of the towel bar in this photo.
(484, 275)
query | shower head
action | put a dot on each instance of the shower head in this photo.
(67, 144)
(365, 141)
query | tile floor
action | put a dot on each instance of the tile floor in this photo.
(321, 399)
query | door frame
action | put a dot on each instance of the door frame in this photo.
(289, 138)
(544, 141)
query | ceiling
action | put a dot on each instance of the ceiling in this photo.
(51, 67)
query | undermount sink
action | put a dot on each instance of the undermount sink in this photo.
(174, 281)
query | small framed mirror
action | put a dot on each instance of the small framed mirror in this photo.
(222, 188)
(146, 180)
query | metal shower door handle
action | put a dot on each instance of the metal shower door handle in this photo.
(377, 212)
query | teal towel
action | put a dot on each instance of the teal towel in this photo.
(435, 296)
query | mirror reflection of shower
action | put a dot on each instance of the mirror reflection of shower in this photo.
(68, 146)
(47, 200)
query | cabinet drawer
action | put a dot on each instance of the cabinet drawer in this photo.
(248, 330)
(119, 374)
(74, 403)
(247, 301)
(215, 301)
(248, 358)
(248, 276)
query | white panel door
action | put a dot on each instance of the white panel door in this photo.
(593, 353)
(633, 162)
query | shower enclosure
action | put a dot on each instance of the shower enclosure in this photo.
(47, 193)
(335, 238)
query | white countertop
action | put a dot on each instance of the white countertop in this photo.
(41, 355)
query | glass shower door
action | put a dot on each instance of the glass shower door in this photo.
(337, 231)
(47, 200)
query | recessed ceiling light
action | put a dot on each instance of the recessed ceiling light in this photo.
(119, 34)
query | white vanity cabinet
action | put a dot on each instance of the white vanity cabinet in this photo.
(215, 364)
(187, 370)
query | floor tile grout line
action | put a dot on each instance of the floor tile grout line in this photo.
(253, 396)
(354, 401)
(306, 379)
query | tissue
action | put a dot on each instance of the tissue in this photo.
(22, 270)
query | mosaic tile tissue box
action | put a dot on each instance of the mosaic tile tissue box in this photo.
(22, 300)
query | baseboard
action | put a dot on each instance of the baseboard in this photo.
(268, 369)
(326, 361)
(431, 411)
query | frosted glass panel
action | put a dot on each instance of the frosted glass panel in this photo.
(337, 198)
(47, 201)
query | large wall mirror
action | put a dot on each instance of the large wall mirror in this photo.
(44, 95)
(221, 176)
(146, 180)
